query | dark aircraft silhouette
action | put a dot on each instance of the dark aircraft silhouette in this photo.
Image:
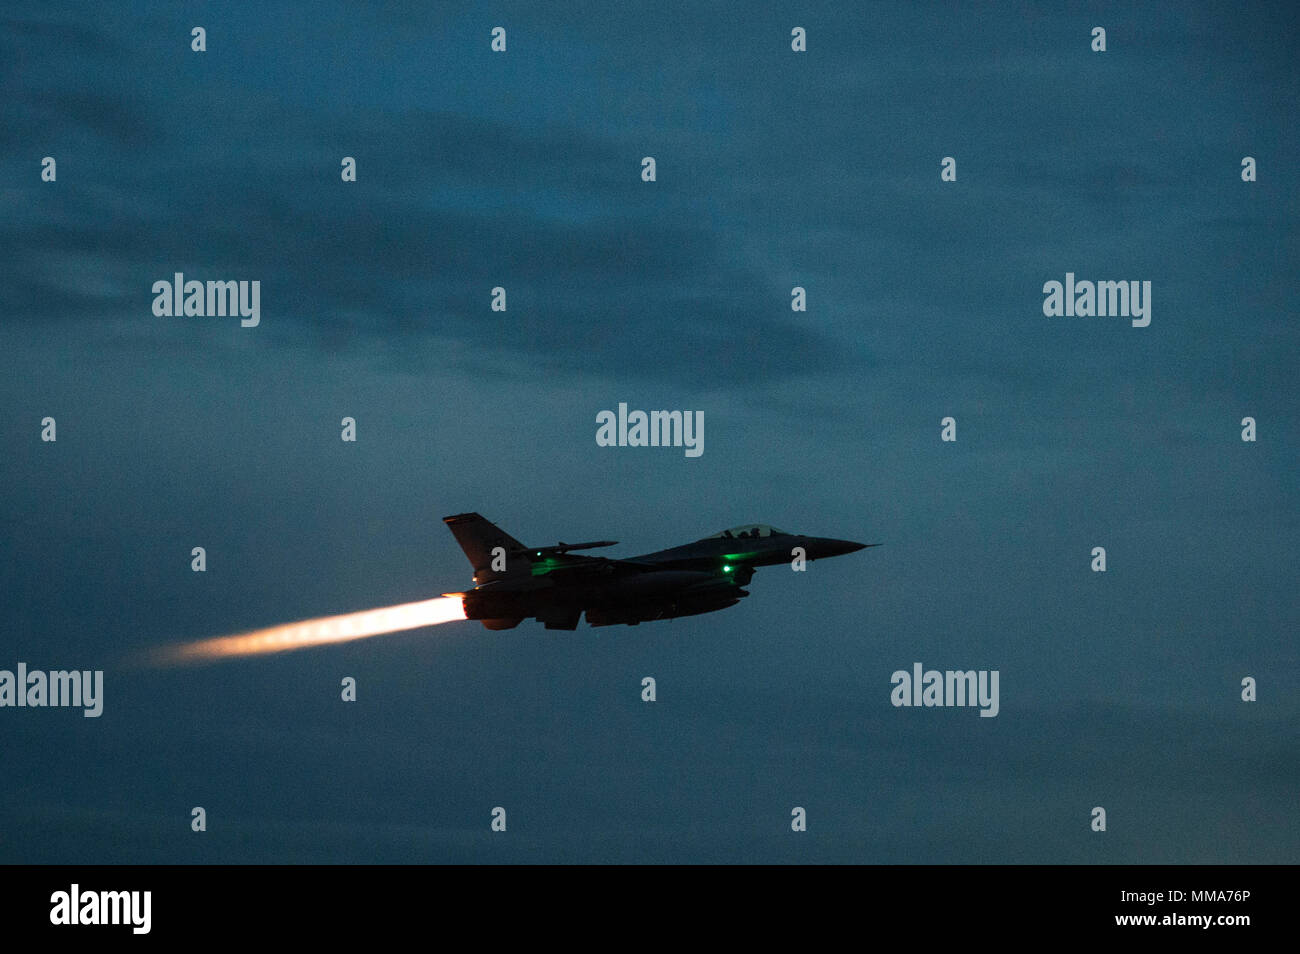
(555, 586)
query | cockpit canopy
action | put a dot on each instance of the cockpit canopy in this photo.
(748, 532)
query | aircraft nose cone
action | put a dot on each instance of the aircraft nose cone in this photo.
(832, 548)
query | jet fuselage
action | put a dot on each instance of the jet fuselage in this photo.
(557, 586)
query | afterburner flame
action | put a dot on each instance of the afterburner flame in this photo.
(318, 632)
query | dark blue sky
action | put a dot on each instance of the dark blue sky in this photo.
(775, 169)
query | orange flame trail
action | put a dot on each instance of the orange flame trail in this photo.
(319, 631)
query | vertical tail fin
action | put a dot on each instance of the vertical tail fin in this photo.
(478, 538)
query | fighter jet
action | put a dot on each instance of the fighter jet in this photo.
(556, 586)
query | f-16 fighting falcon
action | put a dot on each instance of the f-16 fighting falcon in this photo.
(556, 586)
